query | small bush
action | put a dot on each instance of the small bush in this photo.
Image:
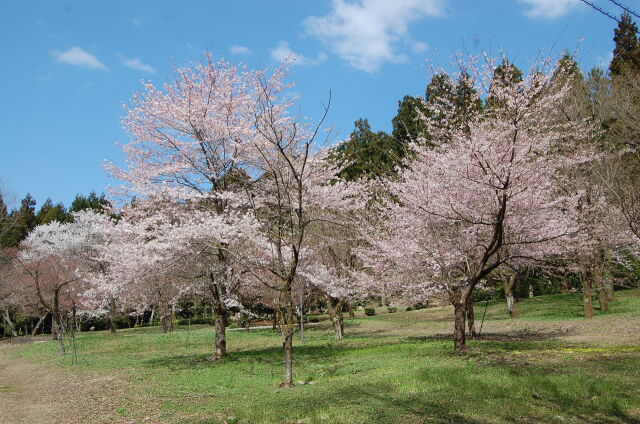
(392, 309)
(313, 319)
(368, 311)
(419, 305)
(195, 320)
(409, 308)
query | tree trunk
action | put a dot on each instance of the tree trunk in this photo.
(511, 305)
(220, 319)
(287, 334)
(153, 312)
(165, 318)
(220, 324)
(57, 324)
(112, 315)
(508, 284)
(220, 350)
(609, 290)
(38, 324)
(599, 274)
(602, 297)
(459, 331)
(335, 314)
(471, 320)
(587, 294)
(7, 320)
(352, 314)
(598, 281)
(564, 285)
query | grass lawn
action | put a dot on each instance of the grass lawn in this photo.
(546, 366)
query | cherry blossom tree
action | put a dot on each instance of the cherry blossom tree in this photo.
(219, 154)
(487, 195)
(52, 259)
(187, 150)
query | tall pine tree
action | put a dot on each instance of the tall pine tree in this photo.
(22, 222)
(626, 54)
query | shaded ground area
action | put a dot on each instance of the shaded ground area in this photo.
(36, 393)
(549, 365)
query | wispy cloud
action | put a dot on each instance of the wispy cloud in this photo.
(136, 22)
(603, 62)
(365, 32)
(239, 50)
(549, 9)
(283, 52)
(78, 57)
(419, 47)
(136, 63)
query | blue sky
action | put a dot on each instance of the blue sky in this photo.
(68, 66)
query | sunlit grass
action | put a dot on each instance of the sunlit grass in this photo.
(381, 373)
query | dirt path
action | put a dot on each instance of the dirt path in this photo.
(41, 394)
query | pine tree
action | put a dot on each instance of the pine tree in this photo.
(440, 95)
(626, 54)
(407, 125)
(21, 221)
(467, 104)
(5, 222)
(92, 201)
(367, 153)
(504, 75)
(49, 212)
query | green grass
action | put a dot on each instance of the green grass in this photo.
(390, 368)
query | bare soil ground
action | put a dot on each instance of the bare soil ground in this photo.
(39, 394)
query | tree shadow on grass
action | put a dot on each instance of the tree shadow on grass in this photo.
(524, 335)
(267, 355)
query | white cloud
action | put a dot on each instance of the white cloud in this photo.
(283, 52)
(419, 47)
(136, 63)
(550, 9)
(136, 22)
(365, 32)
(78, 57)
(239, 50)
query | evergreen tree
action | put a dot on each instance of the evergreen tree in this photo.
(367, 153)
(626, 54)
(49, 212)
(407, 125)
(439, 97)
(5, 223)
(92, 201)
(21, 222)
(504, 75)
(4, 211)
(466, 102)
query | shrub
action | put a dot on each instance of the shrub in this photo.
(419, 305)
(409, 308)
(392, 309)
(195, 321)
(369, 311)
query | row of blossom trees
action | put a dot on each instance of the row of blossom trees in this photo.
(229, 195)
